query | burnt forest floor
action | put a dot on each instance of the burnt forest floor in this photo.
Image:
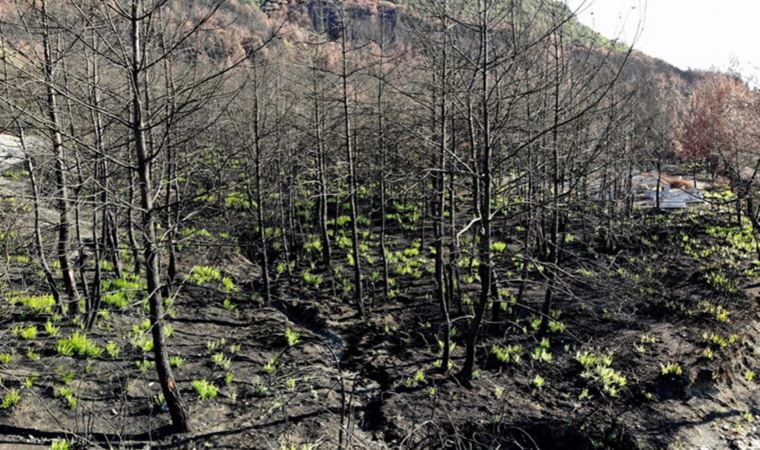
(653, 344)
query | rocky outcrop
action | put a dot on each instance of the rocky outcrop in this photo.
(11, 152)
(271, 6)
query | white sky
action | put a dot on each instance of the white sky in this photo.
(697, 34)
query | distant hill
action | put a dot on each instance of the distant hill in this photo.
(301, 17)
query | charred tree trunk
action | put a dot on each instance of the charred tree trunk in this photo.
(62, 205)
(180, 419)
(352, 184)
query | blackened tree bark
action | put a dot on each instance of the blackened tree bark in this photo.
(180, 419)
(54, 126)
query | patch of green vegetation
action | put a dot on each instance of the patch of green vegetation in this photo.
(203, 275)
(720, 313)
(409, 261)
(344, 241)
(144, 342)
(30, 380)
(415, 380)
(597, 369)
(188, 232)
(176, 361)
(229, 286)
(213, 345)
(205, 389)
(539, 382)
(26, 333)
(145, 365)
(228, 305)
(39, 304)
(292, 337)
(722, 282)
(740, 238)
(121, 292)
(20, 260)
(508, 354)
(719, 341)
(59, 444)
(671, 369)
(283, 267)
(68, 396)
(66, 376)
(11, 399)
(557, 327)
(221, 361)
(313, 245)
(112, 348)
(498, 247)
(312, 279)
(51, 329)
(237, 200)
(159, 400)
(269, 367)
(541, 353)
(15, 174)
(78, 344)
(31, 355)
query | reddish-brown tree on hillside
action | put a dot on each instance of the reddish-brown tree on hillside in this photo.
(708, 126)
